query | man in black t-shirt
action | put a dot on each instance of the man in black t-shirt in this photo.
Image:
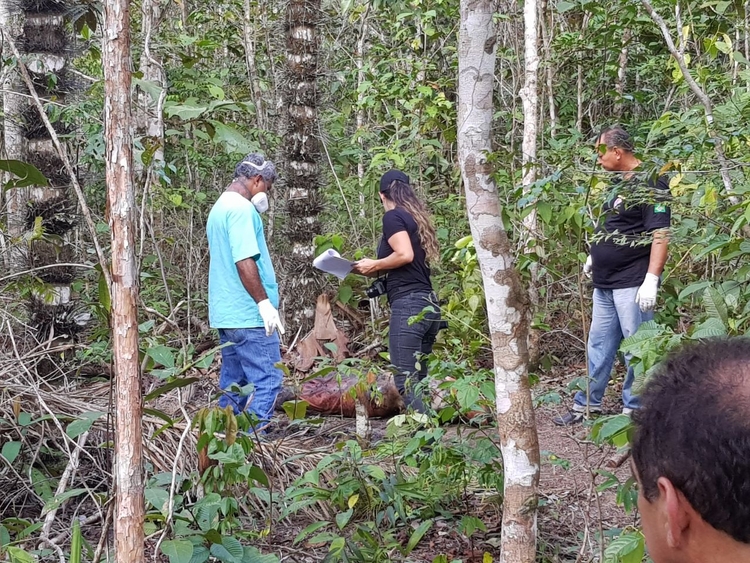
(626, 262)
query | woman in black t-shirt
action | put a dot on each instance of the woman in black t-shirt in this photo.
(408, 244)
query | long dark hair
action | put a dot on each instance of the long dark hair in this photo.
(403, 196)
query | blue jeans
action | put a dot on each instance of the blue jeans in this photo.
(616, 316)
(409, 344)
(250, 359)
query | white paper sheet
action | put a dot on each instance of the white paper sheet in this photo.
(331, 262)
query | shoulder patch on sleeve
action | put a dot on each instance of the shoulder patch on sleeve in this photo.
(660, 208)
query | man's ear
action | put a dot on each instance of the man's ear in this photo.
(677, 511)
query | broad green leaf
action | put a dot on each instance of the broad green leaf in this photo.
(28, 174)
(60, 499)
(544, 210)
(11, 450)
(205, 361)
(83, 424)
(4, 537)
(253, 555)
(186, 111)
(342, 518)
(163, 355)
(563, 6)
(345, 293)
(612, 428)
(18, 555)
(178, 551)
(234, 142)
(258, 475)
(337, 546)
(311, 529)
(233, 546)
(222, 552)
(200, 554)
(715, 305)
(182, 382)
(296, 410)
(417, 536)
(709, 329)
(158, 498)
(628, 548)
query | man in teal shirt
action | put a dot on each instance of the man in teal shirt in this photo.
(243, 296)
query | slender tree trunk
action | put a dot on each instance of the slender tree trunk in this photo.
(249, 26)
(507, 306)
(129, 501)
(622, 65)
(746, 35)
(15, 145)
(579, 98)
(529, 97)
(149, 120)
(359, 60)
(547, 32)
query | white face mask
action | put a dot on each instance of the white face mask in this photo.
(260, 201)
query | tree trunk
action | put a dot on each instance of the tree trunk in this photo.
(149, 120)
(622, 65)
(301, 283)
(129, 501)
(507, 306)
(249, 27)
(529, 97)
(15, 145)
(359, 56)
(547, 32)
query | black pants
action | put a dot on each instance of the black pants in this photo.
(409, 344)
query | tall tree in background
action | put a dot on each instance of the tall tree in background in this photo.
(507, 305)
(41, 219)
(299, 286)
(118, 121)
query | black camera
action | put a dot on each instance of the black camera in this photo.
(376, 289)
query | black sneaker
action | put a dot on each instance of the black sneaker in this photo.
(569, 418)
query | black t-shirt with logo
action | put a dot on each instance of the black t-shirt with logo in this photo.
(411, 277)
(621, 249)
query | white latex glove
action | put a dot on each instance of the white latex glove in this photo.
(587, 267)
(646, 296)
(270, 317)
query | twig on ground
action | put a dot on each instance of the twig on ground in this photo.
(105, 532)
(172, 485)
(61, 486)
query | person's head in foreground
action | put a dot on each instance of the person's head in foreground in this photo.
(691, 455)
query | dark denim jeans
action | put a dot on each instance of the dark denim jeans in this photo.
(250, 359)
(409, 344)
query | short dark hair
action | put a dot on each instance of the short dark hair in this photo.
(694, 429)
(616, 136)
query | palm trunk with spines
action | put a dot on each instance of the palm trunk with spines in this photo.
(41, 220)
(300, 283)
